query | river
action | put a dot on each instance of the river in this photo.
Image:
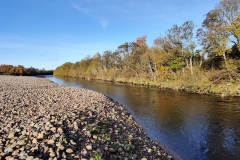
(187, 126)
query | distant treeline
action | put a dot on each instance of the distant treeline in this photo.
(209, 56)
(22, 71)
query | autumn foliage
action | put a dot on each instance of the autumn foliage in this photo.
(22, 71)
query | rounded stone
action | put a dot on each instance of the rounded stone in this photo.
(50, 142)
(94, 137)
(40, 136)
(59, 130)
(9, 158)
(149, 150)
(34, 141)
(11, 135)
(69, 151)
(30, 158)
(15, 153)
(21, 143)
(52, 154)
(111, 150)
(8, 150)
(89, 147)
(72, 142)
(120, 150)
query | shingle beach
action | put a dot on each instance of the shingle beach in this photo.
(43, 120)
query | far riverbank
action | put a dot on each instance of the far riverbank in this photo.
(216, 88)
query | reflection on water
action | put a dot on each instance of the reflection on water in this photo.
(189, 126)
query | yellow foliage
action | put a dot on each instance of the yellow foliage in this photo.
(235, 27)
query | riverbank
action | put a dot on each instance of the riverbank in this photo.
(223, 89)
(217, 84)
(222, 83)
(42, 120)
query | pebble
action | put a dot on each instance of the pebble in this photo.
(84, 152)
(59, 130)
(72, 142)
(15, 153)
(61, 147)
(149, 150)
(50, 142)
(120, 150)
(9, 158)
(40, 136)
(89, 147)
(34, 140)
(11, 135)
(69, 151)
(21, 142)
(30, 158)
(8, 150)
(52, 154)
(111, 150)
(95, 137)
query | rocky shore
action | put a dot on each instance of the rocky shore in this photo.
(43, 120)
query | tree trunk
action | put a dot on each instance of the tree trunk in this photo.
(201, 59)
(225, 60)
(190, 65)
(226, 64)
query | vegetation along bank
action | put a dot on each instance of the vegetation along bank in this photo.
(22, 71)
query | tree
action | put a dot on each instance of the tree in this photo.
(217, 34)
(179, 44)
(73, 72)
(63, 70)
(229, 11)
(234, 28)
(12, 70)
(187, 29)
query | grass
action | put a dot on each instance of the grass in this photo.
(97, 156)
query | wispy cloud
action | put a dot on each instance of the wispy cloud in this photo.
(104, 22)
(81, 9)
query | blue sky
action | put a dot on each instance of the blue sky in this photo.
(48, 33)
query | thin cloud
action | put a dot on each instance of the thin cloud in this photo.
(80, 9)
(103, 21)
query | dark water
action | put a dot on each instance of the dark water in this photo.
(189, 126)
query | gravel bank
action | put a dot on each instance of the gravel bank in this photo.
(43, 120)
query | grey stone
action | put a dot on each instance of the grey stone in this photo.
(21, 142)
(111, 150)
(11, 135)
(8, 150)
(30, 158)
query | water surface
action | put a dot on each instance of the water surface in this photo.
(188, 126)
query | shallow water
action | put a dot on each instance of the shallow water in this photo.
(188, 126)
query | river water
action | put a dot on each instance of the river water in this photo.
(187, 126)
